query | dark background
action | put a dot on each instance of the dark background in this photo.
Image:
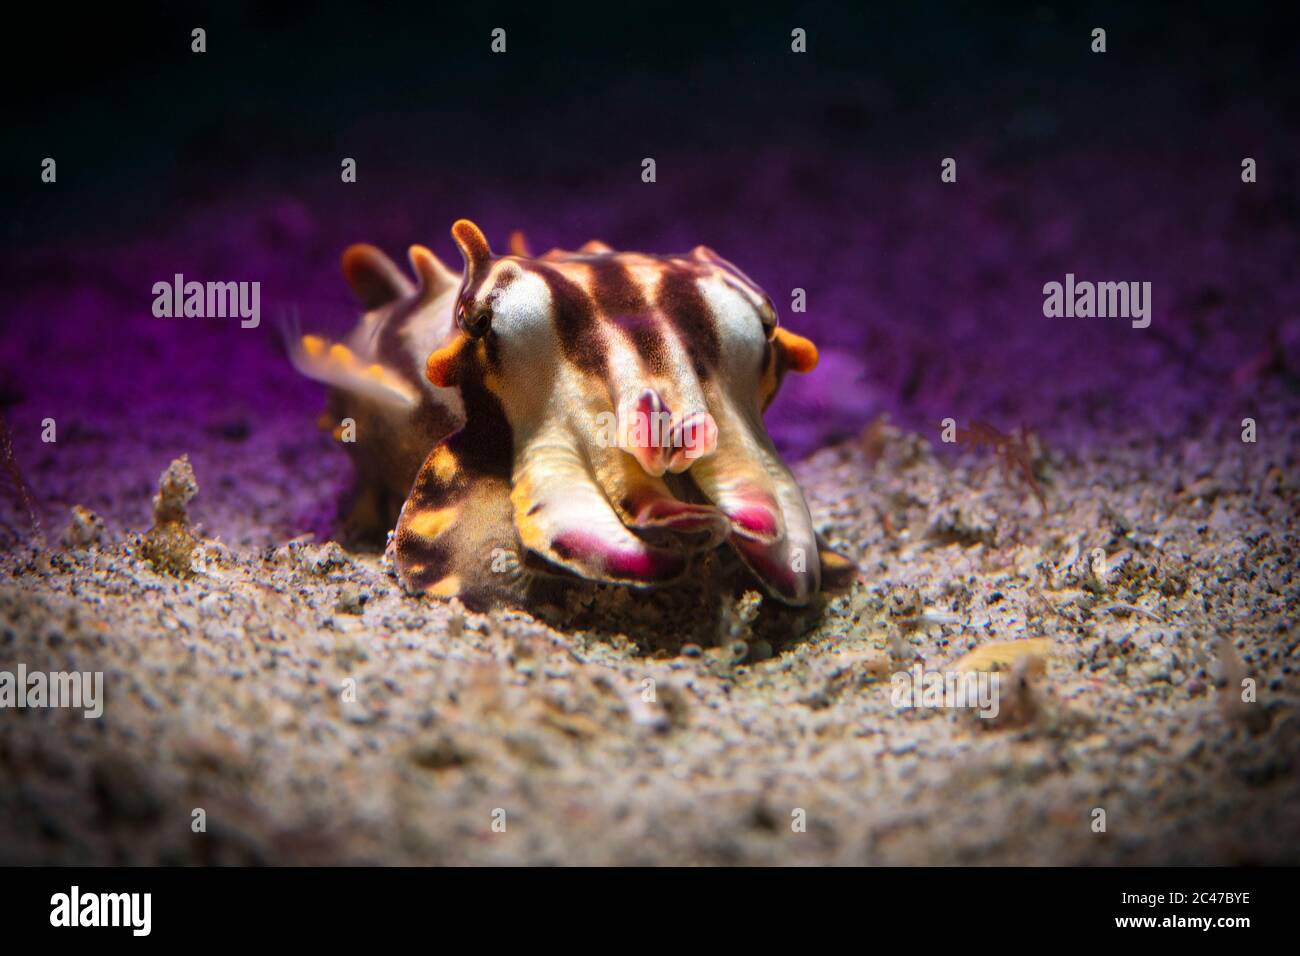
(139, 120)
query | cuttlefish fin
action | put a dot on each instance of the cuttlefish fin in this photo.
(435, 278)
(338, 365)
(375, 279)
(518, 245)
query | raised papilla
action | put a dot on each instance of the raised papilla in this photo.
(591, 413)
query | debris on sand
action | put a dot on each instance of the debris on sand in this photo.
(85, 529)
(1019, 452)
(351, 600)
(169, 544)
(736, 623)
(176, 487)
(1002, 655)
(1022, 701)
(20, 489)
(848, 671)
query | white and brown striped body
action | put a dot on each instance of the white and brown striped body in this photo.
(605, 418)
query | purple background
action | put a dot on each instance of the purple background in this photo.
(818, 171)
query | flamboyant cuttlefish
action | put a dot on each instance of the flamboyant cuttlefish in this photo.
(596, 413)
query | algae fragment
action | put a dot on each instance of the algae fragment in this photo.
(169, 544)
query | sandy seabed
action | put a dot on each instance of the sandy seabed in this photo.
(316, 714)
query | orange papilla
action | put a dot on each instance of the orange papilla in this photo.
(799, 351)
(444, 365)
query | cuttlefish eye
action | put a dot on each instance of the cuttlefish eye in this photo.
(767, 315)
(473, 322)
